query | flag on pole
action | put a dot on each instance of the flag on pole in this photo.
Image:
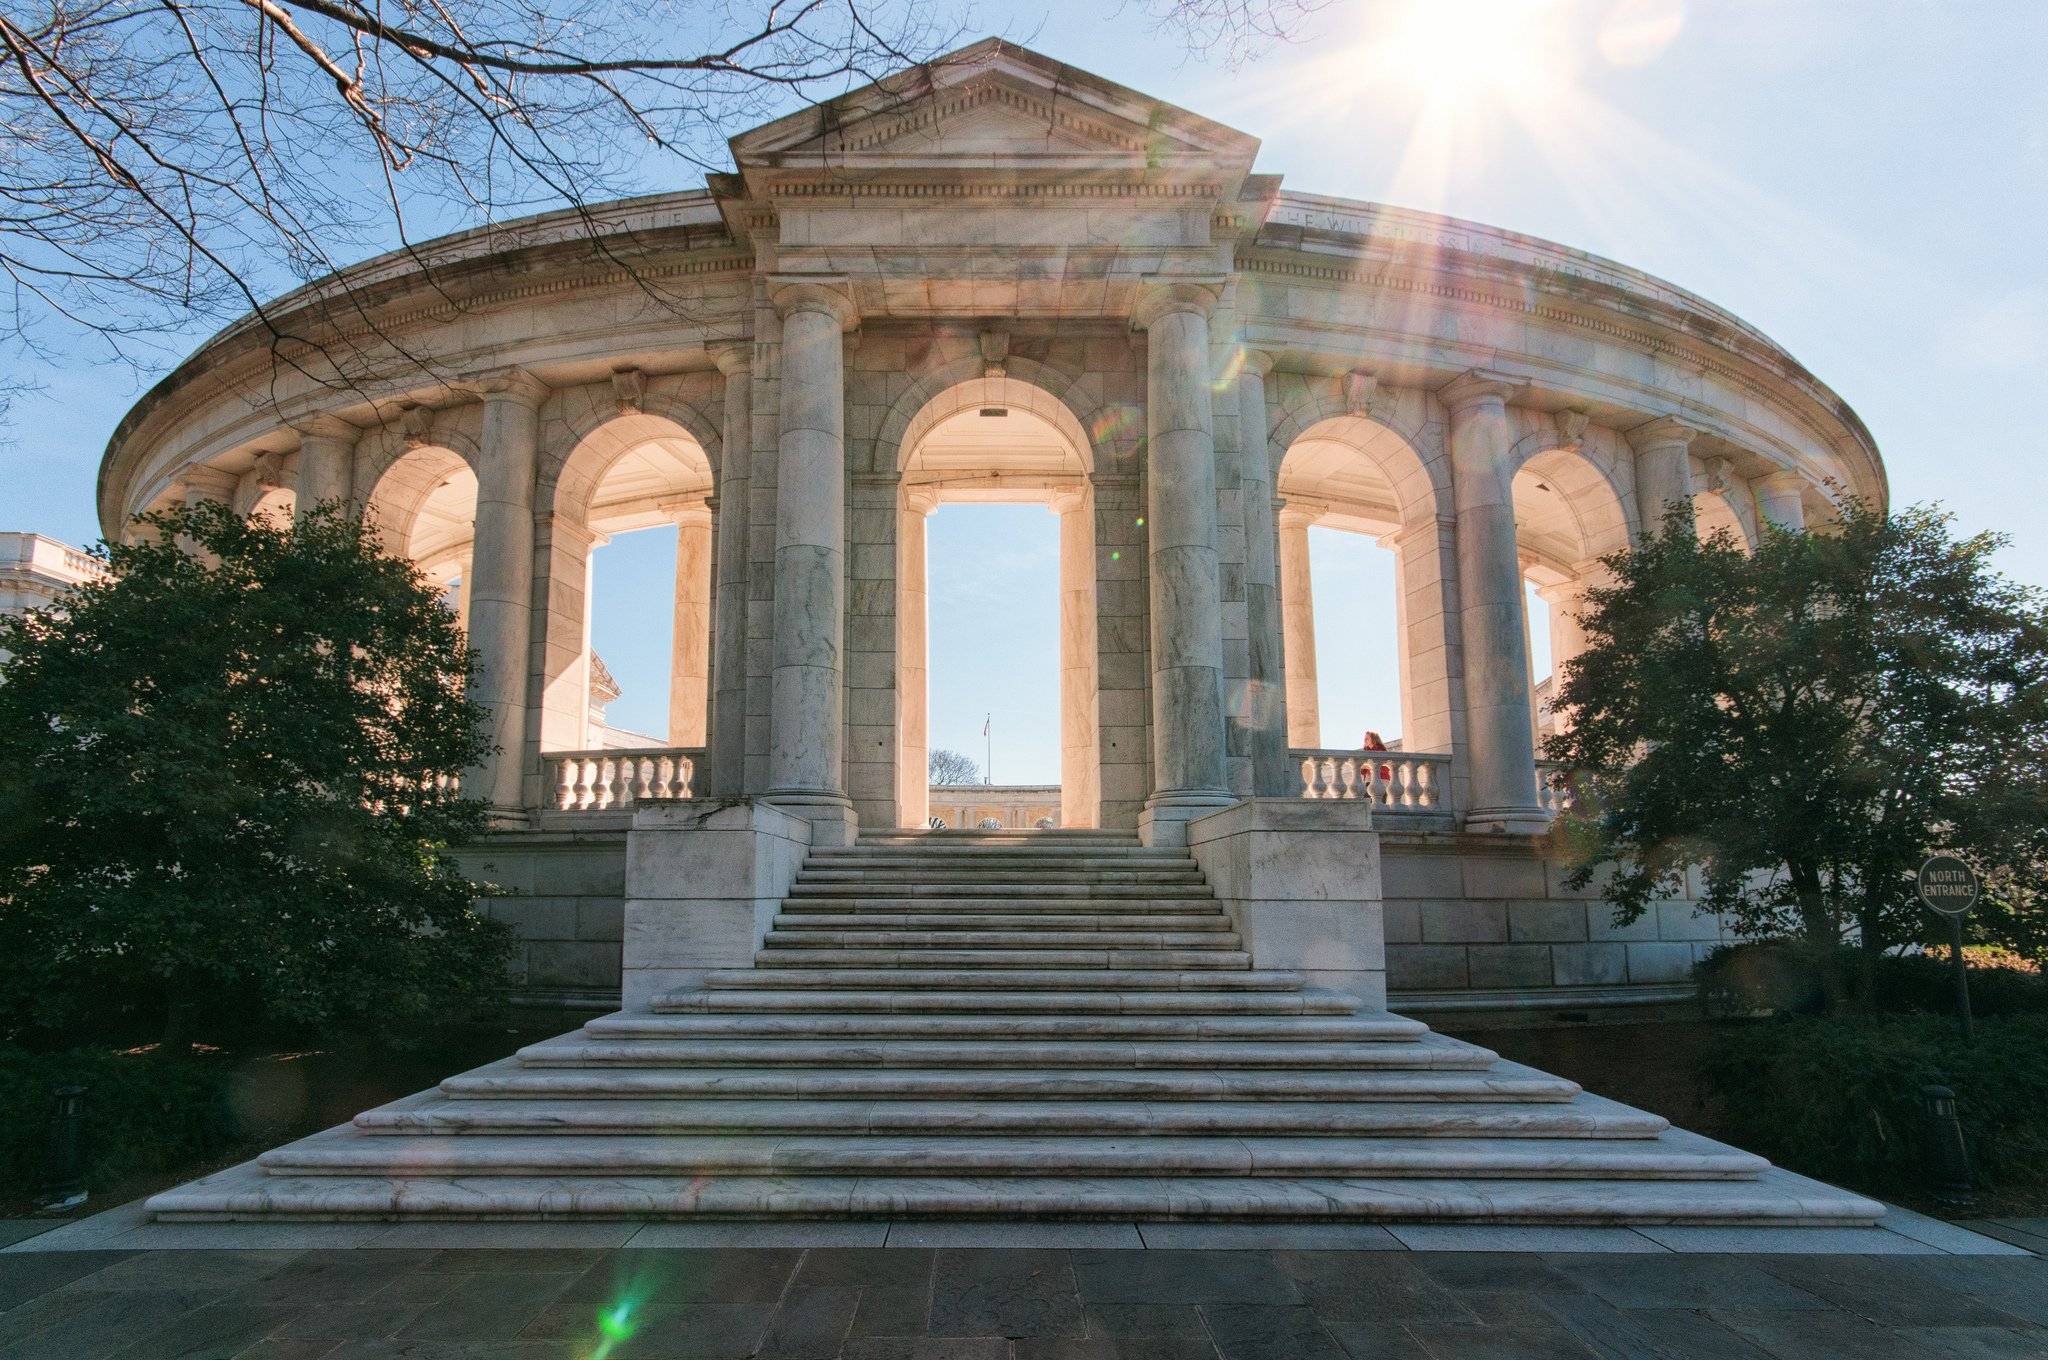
(985, 722)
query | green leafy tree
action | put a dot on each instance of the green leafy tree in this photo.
(1806, 723)
(224, 789)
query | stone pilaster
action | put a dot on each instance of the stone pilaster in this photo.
(689, 678)
(913, 648)
(1663, 468)
(501, 589)
(1080, 664)
(1266, 709)
(1781, 500)
(807, 705)
(1298, 627)
(327, 455)
(1500, 733)
(1186, 597)
(727, 756)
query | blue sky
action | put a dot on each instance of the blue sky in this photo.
(1865, 180)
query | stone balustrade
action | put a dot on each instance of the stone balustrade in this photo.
(1399, 781)
(1554, 787)
(593, 781)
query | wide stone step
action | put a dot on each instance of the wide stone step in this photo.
(861, 918)
(944, 837)
(992, 863)
(1219, 959)
(996, 873)
(777, 978)
(812, 1024)
(1431, 1053)
(994, 1002)
(510, 1079)
(1776, 1199)
(997, 889)
(785, 935)
(344, 1152)
(970, 905)
(1585, 1116)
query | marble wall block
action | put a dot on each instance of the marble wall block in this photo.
(1302, 882)
(703, 881)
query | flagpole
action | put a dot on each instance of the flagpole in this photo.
(988, 751)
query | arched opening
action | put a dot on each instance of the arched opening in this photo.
(1567, 517)
(423, 506)
(1715, 513)
(1363, 563)
(626, 658)
(998, 441)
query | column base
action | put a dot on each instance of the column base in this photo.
(1508, 821)
(834, 823)
(508, 818)
(1165, 818)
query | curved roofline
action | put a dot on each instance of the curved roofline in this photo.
(1287, 211)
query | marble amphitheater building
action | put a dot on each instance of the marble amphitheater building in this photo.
(999, 278)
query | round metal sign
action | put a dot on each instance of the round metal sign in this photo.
(1948, 885)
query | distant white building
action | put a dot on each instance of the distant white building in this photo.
(36, 569)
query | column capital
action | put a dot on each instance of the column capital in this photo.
(1477, 386)
(831, 294)
(920, 500)
(1783, 482)
(511, 384)
(693, 509)
(1663, 432)
(1299, 514)
(733, 358)
(1068, 498)
(324, 427)
(1257, 362)
(1160, 295)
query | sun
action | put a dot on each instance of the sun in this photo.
(1475, 52)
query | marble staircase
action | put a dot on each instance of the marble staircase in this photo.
(1037, 1025)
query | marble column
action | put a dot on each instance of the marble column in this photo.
(726, 760)
(1185, 595)
(1080, 665)
(327, 454)
(1500, 732)
(1781, 500)
(1567, 600)
(1273, 775)
(1663, 468)
(808, 692)
(689, 675)
(1298, 624)
(501, 592)
(913, 649)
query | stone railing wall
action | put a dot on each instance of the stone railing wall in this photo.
(1399, 781)
(592, 781)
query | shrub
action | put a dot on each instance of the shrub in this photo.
(1784, 977)
(1838, 1097)
(144, 1112)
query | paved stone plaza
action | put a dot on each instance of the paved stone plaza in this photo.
(1094, 1292)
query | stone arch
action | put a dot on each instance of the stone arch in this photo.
(1042, 453)
(410, 485)
(1369, 474)
(610, 468)
(1569, 514)
(591, 444)
(1716, 509)
(1048, 392)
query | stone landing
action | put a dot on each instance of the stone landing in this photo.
(1054, 1026)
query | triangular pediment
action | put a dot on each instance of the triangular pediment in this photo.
(994, 108)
